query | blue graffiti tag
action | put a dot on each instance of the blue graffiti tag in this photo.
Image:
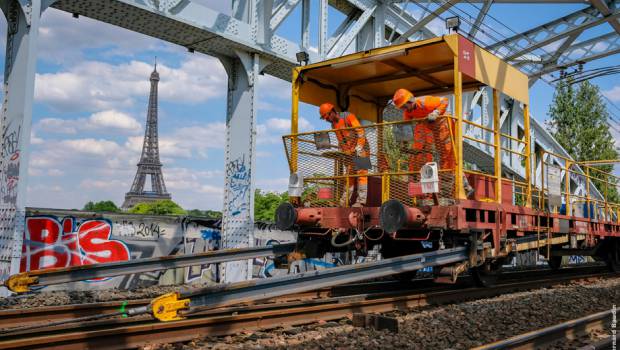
(238, 175)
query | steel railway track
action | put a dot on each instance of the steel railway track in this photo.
(120, 333)
(10, 318)
(568, 330)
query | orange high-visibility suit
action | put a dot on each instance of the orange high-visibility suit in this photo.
(353, 142)
(429, 133)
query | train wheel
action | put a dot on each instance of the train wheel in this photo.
(613, 256)
(486, 275)
(555, 262)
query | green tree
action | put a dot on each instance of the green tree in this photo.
(161, 207)
(266, 203)
(579, 122)
(213, 214)
(102, 206)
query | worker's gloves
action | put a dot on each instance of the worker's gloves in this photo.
(433, 116)
(358, 149)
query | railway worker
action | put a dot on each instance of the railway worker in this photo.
(350, 142)
(429, 132)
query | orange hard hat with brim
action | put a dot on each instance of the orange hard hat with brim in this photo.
(401, 96)
(325, 108)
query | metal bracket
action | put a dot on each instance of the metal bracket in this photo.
(165, 308)
(21, 282)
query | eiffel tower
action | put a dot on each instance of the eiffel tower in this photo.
(149, 163)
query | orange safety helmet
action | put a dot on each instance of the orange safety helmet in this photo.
(325, 108)
(401, 96)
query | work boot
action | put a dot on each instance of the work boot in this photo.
(469, 191)
(362, 195)
(343, 198)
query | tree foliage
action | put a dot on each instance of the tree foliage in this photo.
(212, 214)
(101, 206)
(266, 203)
(161, 207)
(578, 121)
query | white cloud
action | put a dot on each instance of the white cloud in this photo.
(271, 131)
(96, 86)
(56, 125)
(187, 142)
(613, 94)
(91, 146)
(114, 119)
(273, 185)
(55, 172)
(62, 38)
(270, 86)
(104, 184)
(104, 120)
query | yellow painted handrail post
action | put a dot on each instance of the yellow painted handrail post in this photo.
(458, 135)
(528, 156)
(498, 146)
(567, 187)
(606, 198)
(542, 182)
(295, 119)
(588, 192)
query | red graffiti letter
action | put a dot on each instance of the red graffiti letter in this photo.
(94, 240)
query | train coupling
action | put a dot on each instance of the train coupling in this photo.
(21, 282)
(166, 307)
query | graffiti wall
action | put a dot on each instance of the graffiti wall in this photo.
(65, 238)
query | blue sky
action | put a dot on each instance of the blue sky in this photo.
(92, 90)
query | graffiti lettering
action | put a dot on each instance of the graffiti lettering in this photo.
(9, 174)
(10, 142)
(141, 230)
(238, 175)
(49, 243)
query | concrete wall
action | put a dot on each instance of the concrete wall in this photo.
(63, 238)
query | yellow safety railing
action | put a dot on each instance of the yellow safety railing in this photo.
(334, 163)
(580, 189)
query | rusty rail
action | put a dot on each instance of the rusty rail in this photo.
(134, 332)
(564, 331)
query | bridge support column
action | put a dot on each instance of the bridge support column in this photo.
(238, 211)
(15, 120)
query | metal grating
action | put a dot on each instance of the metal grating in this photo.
(331, 167)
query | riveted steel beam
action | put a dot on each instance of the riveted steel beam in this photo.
(281, 13)
(341, 44)
(23, 20)
(478, 22)
(582, 52)
(574, 23)
(426, 20)
(604, 9)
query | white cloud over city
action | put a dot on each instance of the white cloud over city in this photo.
(96, 85)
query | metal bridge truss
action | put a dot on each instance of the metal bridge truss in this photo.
(247, 43)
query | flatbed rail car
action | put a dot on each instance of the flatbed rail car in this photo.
(510, 210)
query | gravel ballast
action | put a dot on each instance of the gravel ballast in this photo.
(453, 326)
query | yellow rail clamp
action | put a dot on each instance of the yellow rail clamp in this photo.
(165, 308)
(20, 283)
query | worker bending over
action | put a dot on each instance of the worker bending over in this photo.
(350, 142)
(428, 132)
